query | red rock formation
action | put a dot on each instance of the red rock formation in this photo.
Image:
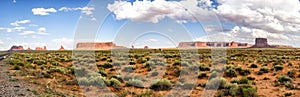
(61, 48)
(16, 48)
(146, 47)
(261, 43)
(28, 49)
(98, 45)
(41, 48)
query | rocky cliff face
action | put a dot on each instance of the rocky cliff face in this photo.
(98, 45)
(61, 48)
(16, 48)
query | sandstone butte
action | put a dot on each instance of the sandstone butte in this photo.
(259, 43)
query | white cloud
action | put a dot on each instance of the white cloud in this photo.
(27, 33)
(43, 11)
(17, 23)
(66, 42)
(19, 28)
(84, 10)
(42, 31)
(33, 25)
(1, 42)
(14, 1)
(157, 10)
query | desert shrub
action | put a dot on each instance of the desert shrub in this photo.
(264, 69)
(284, 79)
(83, 81)
(203, 67)
(235, 80)
(16, 67)
(244, 81)
(248, 91)
(115, 83)
(161, 84)
(40, 62)
(55, 63)
(244, 72)
(188, 86)
(129, 68)
(278, 67)
(147, 93)
(80, 71)
(135, 82)
(253, 66)
(216, 83)
(15, 62)
(103, 59)
(46, 75)
(132, 63)
(102, 72)
(154, 73)
(54, 69)
(177, 62)
(251, 78)
(107, 65)
(98, 81)
(118, 77)
(141, 60)
(213, 75)
(291, 73)
(286, 94)
(202, 75)
(231, 72)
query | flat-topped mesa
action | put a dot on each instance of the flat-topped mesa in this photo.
(263, 43)
(213, 45)
(97, 46)
(16, 48)
(41, 48)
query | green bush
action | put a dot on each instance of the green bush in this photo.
(264, 69)
(286, 94)
(244, 81)
(231, 72)
(253, 66)
(161, 84)
(216, 83)
(203, 67)
(291, 73)
(107, 65)
(135, 82)
(202, 75)
(284, 79)
(248, 91)
(278, 67)
(244, 72)
(16, 67)
(115, 83)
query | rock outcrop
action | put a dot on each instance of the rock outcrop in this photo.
(61, 48)
(213, 44)
(97, 46)
(41, 48)
(16, 48)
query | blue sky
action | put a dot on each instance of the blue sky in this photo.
(52, 23)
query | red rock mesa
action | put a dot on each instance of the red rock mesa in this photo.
(16, 48)
(97, 46)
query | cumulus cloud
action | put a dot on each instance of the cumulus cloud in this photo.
(267, 15)
(43, 11)
(17, 23)
(84, 10)
(154, 11)
(42, 31)
(6, 29)
(27, 33)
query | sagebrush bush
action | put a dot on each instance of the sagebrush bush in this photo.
(278, 67)
(115, 83)
(284, 79)
(253, 66)
(231, 72)
(202, 75)
(161, 84)
(291, 73)
(216, 83)
(135, 82)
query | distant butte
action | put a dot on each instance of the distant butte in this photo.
(61, 48)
